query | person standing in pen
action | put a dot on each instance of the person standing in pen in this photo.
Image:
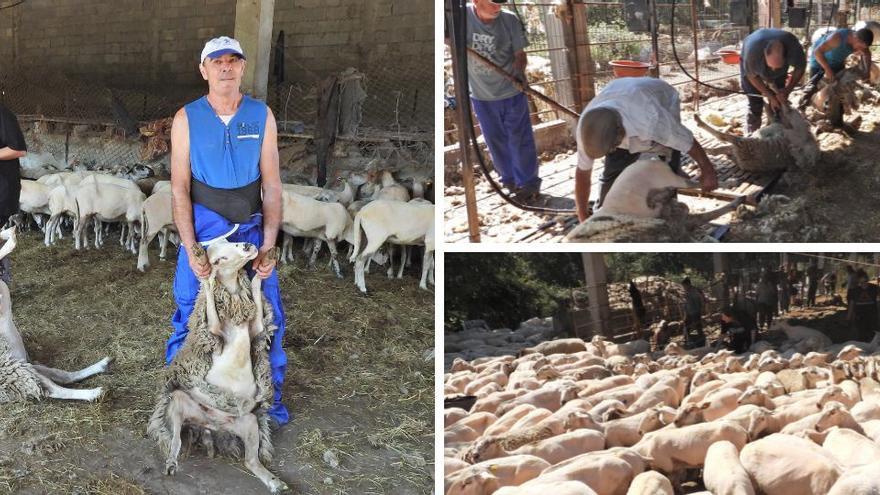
(226, 184)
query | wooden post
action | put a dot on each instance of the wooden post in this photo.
(562, 62)
(655, 45)
(253, 29)
(597, 289)
(584, 58)
(467, 170)
(720, 265)
(776, 13)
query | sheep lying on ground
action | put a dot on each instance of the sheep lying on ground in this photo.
(787, 144)
(21, 380)
(642, 206)
(219, 384)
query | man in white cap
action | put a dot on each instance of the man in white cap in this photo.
(226, 184)
(631, 116)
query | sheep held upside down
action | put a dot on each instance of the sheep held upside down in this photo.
(219, 385)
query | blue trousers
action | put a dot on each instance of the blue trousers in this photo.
(209, 225)
(508, 133)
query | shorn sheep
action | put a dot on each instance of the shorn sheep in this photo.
(21, 380)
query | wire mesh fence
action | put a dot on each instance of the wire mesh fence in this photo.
(618, 30)
(76, 122)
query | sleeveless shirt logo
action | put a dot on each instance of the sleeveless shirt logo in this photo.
(248, 130)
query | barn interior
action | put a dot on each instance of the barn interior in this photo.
(93, 85)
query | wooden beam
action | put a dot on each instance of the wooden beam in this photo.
(253, 29)
(595, 272)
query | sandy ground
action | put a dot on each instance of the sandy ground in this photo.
(359, 382)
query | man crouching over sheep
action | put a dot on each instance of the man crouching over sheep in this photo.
(219, 385)
(631, 116)
(224, 157)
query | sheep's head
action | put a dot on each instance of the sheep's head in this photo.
(753, 395)
(833, 414)
(690, 414)
(475, 483)
(655, 418)
(483, 449)
(830, 396)
(702, 377)
(849, 353)
(230, 257)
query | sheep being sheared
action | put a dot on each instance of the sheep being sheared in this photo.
(787, 144)
(219, 385)
(834, 100)
(642, 206)
(22, 380)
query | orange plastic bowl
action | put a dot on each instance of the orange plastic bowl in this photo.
(629, 68)
(729, 56)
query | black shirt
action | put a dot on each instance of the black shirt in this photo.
(741, 319)
(11, 136)
(865, 298)
(10, 178)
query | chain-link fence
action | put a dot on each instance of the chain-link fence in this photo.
(604, 33)
(385, 112)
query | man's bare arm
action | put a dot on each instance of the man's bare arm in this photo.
(271, 182)
(582, 193)
(8, 153)
(181, 176)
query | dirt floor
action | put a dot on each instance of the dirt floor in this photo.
(359, 382)
(835, 202)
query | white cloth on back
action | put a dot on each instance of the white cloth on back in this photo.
(651, 114)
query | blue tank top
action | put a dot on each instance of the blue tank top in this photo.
(836, 57)
(226, 156)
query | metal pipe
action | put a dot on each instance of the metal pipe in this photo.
(696, 57)
(518, 85)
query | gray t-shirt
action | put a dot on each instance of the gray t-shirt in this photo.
(753, 53)
(497, 41)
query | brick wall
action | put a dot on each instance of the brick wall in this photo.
(149, 42)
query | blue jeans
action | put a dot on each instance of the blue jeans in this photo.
(508, 133)
(756, 103)
(208, 225)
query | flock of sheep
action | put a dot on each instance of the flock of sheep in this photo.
(579, 418)
(390, 215)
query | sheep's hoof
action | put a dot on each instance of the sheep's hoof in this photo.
(277, 486)
(97, 394)
(107, 361)
(170, 467)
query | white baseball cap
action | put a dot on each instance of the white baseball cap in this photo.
(221, 46)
